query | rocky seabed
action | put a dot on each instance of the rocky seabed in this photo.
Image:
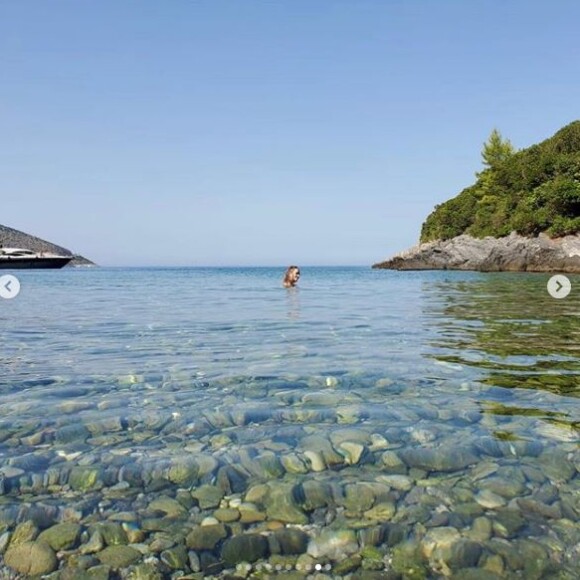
(315, 484)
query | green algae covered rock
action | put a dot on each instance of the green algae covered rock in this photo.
(119, 556)
(61, 536)
(31, 558)
(245, 548)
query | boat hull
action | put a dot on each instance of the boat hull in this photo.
(34, 263)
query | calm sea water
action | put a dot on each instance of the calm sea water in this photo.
(462, 383)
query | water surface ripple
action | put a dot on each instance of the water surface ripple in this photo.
(422, 424)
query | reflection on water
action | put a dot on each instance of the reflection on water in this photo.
(293, 301)
(510, 326)
(416, 424)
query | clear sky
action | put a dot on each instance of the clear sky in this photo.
(148, 132)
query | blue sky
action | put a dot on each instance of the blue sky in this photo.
(145, 132)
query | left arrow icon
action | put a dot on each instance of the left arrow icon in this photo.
(9, 286)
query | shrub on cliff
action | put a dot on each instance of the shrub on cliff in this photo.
(529, 191)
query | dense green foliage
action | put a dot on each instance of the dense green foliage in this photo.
(529, 191)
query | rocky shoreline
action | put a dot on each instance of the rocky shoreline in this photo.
(513, 253)
(11, 238)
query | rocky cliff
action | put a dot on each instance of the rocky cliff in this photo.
(11, 238)
(513, 253)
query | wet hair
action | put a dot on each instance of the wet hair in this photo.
(289, 276)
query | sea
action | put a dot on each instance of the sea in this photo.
(200, 422)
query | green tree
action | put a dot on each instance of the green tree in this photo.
(530, 191)
(496, 150)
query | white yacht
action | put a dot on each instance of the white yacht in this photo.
(20, 258)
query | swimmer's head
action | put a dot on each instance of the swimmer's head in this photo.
(291, 277)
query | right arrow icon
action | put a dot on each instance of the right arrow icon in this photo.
(559, 286)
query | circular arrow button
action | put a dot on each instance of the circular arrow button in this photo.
(559, 286)
(9, 286)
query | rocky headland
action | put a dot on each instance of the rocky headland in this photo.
(11, 238)
(513, 253)
(522, 214)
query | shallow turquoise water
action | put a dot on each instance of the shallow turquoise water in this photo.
(473, 378)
